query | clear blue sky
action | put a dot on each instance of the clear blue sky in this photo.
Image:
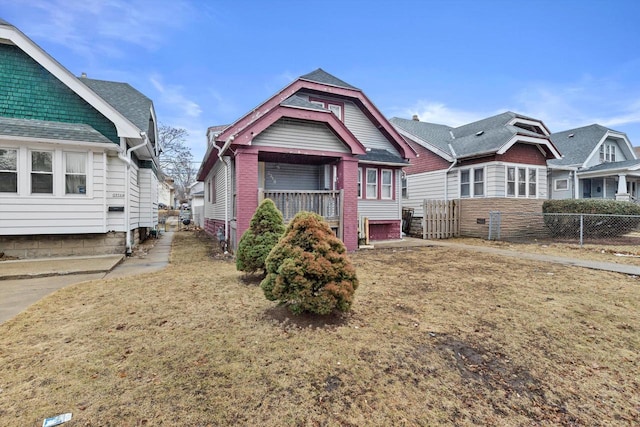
(568, 63)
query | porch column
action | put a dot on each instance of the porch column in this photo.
(246, 189)
(622, 184)
(348, 181)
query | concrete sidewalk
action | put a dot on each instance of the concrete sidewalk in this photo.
(408, 242)
(24, 282)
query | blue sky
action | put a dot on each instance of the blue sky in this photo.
(203, 63)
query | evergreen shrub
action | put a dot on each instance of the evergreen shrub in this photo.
(265, 228)
(308, 270)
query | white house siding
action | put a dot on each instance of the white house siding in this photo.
(116, 171)
(296, 135)
(215, 210)
(57, 213)
(595, 158)
(560, 194)
(148, 183)
(134, 197)
(495, 180)
(382, 209)
(366, 132)
(428, 185)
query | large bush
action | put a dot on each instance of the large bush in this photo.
(265, 228)
(308, 270)
(601, 218)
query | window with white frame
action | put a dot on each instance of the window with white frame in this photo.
(602, 153)
(333, 106)
(359, 183)
(75, 177)
(522, 182)
(372, 183)
(41, 172)
(472, 182)
(478, 182)
(8, 170)
(386, 190)
(561, 184)
(465, 188)
(607, 153)
(405, 186)
(511, 181)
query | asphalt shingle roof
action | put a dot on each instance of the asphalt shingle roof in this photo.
(577, 144)
(132, 104)
(298, 101)
(612, 165)
(321, 76)
(481, 137)
(3, 22)
(382, 156)
(50, 130)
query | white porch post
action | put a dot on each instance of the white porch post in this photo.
(622, 194)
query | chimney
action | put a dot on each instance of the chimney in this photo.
(415, 118)
(83, 75)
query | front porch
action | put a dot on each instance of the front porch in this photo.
(622, 187)
(328, 204)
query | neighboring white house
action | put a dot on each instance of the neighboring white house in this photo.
(597, 162)
(166, 192)
(196, 195)
(78, 157)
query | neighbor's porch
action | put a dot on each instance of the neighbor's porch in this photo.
(621, 187)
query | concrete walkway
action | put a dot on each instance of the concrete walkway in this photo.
(595, 265)
(23, 282)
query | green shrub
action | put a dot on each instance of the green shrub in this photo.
(308, 270)
(265, 228)
(602, 218)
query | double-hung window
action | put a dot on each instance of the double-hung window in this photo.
(75, 178)
(387, 184)
(405, 187)
(522, 182)
(372, 183)
(8, 170)
(472, 182)
(41, 172)
(359, 183)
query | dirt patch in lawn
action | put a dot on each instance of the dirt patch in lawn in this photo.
(437, 336)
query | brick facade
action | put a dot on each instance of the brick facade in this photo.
(384, 230)
(348, 181)
(427, 161)
(472, 210)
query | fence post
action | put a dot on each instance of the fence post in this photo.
(581, 228)
(424, 219)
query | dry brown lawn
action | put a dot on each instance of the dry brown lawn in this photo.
(437, 336)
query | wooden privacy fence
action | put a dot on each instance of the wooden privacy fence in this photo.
(440, 219)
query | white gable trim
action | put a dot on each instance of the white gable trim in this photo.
(595, 151)
(425, 144)
(104, 145)
(537, 123)
(530, 140)
(123, 126)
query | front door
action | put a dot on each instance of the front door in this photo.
(586, 188)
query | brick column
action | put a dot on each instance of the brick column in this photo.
(348, 181)
(246, 189)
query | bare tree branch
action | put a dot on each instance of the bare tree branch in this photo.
(176, 159)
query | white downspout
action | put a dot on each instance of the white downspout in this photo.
(446, 174)
(227, 167)
(126, 158)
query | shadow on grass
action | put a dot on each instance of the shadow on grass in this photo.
(282, 315)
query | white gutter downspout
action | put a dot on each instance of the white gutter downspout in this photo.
(126, 158)
(227, 166)
(446, 174)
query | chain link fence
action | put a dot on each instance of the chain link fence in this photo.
(566, 228)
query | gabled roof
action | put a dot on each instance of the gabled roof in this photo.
(492, 135)
(132, 104)
(300, 102)
(577, 144)
(47, 130)
(321, 76)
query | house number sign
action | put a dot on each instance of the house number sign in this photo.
(117, 195)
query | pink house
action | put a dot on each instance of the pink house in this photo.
(317, 145)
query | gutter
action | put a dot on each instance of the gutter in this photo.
(446, 173)
(125, 156)
(227, 166)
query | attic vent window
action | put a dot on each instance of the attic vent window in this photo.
(571, 135)
(479, 133)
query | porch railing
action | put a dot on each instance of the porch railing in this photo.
(325, 203)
